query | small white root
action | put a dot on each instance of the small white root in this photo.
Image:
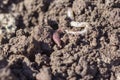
(85, 25)
(70, 13)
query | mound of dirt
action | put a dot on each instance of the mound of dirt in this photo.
(30, 53)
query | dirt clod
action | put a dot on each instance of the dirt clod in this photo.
(44, 74)
(37, 50)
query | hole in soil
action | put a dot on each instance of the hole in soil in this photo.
(35, 14)
(103, 1)
(32, 57)
(3, 62)
(27, 34)
(116, 62)
(46, 4)
(20, 25)
(53, 24)
(106, 38)
(3, 28)
(4, 41)
(4, 9)
(83, 11)
(93, 7)
(116, 5)
(48, 53)
(15, 1)
(35, 66)
(71, 3)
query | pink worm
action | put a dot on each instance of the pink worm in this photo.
(56, 37)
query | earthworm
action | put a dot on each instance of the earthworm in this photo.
(56, 37)
(77, 24)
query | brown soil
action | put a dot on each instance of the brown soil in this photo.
(31, 54)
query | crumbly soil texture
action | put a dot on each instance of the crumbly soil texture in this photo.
(30, 53)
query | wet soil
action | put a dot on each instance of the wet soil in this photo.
(31, 54)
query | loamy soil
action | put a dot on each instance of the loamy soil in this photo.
(31, 54)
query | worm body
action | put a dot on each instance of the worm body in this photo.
(77, 24)
(56, 38)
